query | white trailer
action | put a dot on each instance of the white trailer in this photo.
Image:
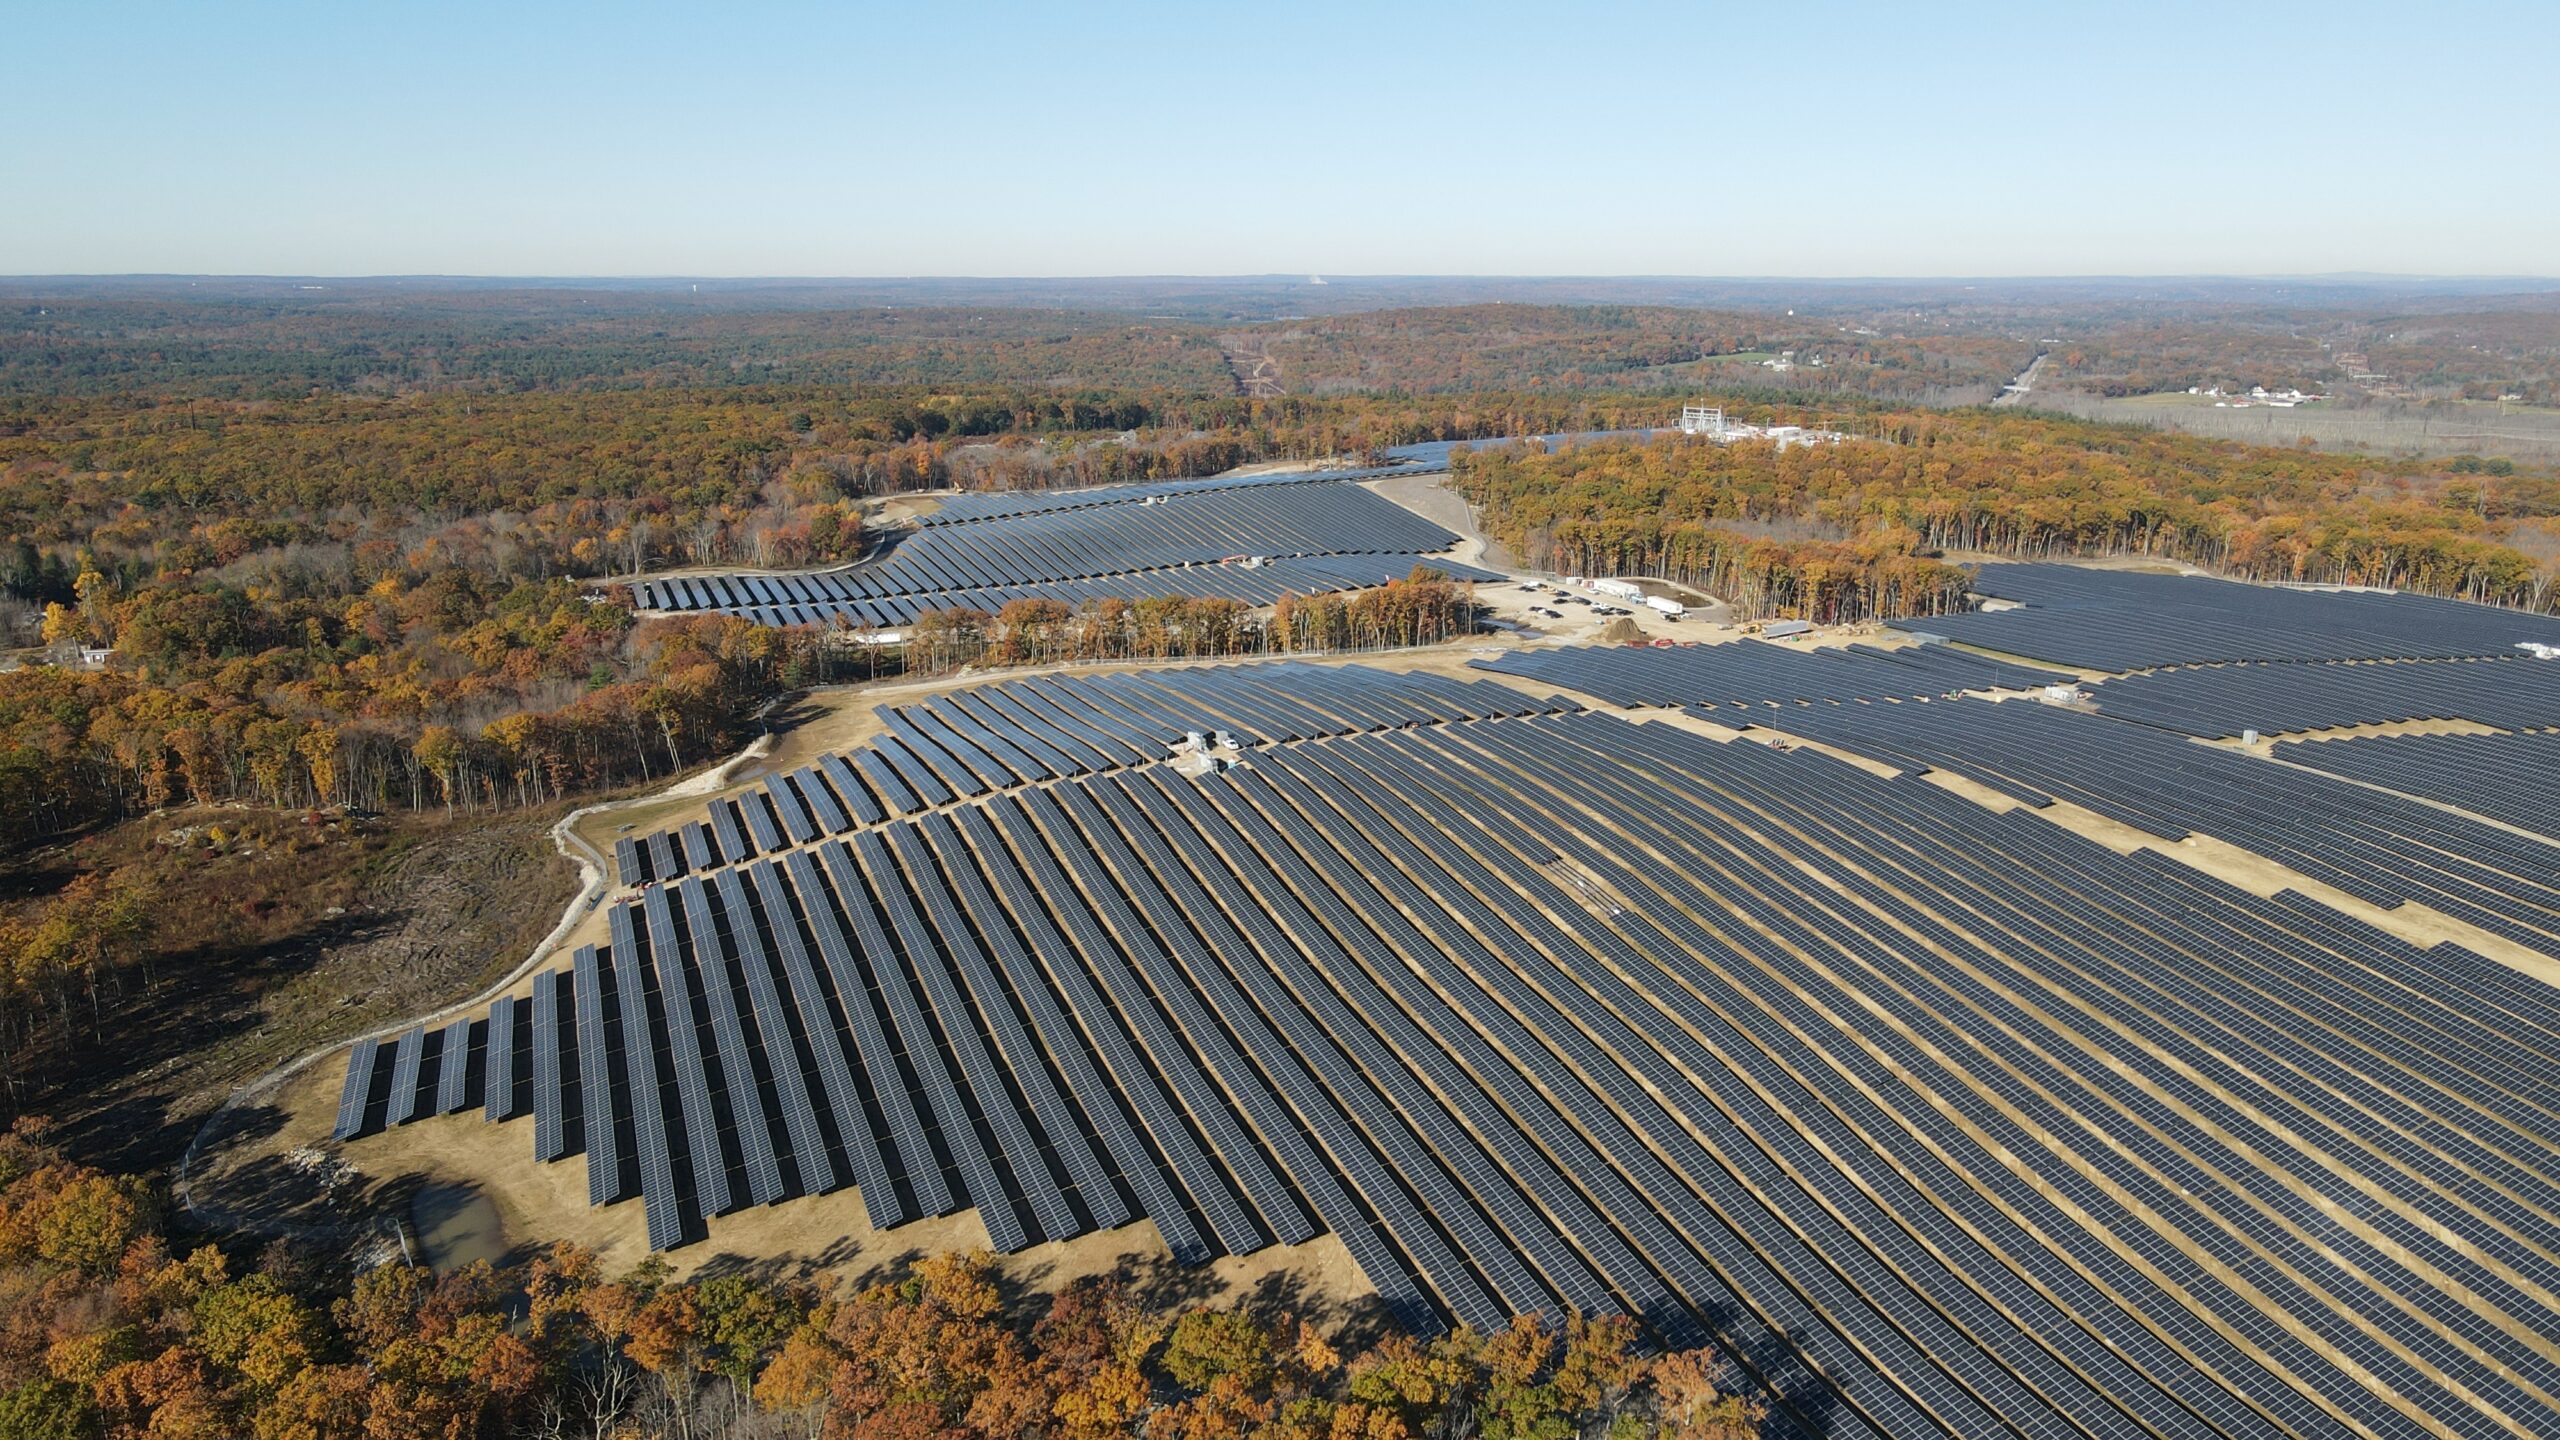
(1672, 608)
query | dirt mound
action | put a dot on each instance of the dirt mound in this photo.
(1620, 631)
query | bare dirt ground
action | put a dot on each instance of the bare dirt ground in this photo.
(453, 1159)
(1249, 360)
(1430, 497)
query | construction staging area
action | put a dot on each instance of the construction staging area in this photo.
(1956, 1054)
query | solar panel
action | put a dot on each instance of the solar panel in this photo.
(917, 1164)
(676, 1013)
(406, 1064)
(355, 1097)
(498, 1062)
(555, 1050)
(740, 1086)
(603, 1008)
(661, 1199)
(454, 1068)
(1938, 1118)
(773, 1022)
(924, 1049)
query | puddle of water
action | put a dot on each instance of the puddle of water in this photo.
(454, 1225)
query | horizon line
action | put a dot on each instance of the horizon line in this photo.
(1311, 277)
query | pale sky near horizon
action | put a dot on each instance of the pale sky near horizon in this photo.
(1813, 139)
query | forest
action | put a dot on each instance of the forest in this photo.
(1484, 347)
(381, 601)
(113, 1328)
(1866, 528)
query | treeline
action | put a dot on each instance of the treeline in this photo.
(376, 602)
(112, 1333)
(385, 708)
(446, 689)
(66, 964)
(1849, 531)
(597, 483)
(1424, 608)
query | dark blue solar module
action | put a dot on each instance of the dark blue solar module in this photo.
(2123, 620)
(1253, 542)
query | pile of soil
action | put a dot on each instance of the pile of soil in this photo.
(1620, 631)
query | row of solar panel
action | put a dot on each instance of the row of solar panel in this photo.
(1253, 585)
(2220, 701)
(981, 506)
(1752, 672)
(1906, 1366)
(2509, 778)
(2440, 1309)
(2124, 621)
(1102, 860)
(2377, 847)
(467, 1063)
(995, 737)
(1045, 549)
(1426, 458)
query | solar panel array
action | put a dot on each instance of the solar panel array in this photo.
(978, 507)
(2219, 701)
(1303, 538)
(1746, 672)
(1934, 1119)
(2509, 778)
(2385, 849)
(1018, 732)
(2120, 620)
(1427, 458)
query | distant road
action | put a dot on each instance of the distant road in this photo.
(2019, 388)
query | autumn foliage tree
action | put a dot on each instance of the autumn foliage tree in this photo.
(107, 1334)
(1860, 529)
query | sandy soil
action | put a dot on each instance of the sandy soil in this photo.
(1430, 497)
(536, 1204)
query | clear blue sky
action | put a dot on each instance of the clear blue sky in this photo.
(1206, 138)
